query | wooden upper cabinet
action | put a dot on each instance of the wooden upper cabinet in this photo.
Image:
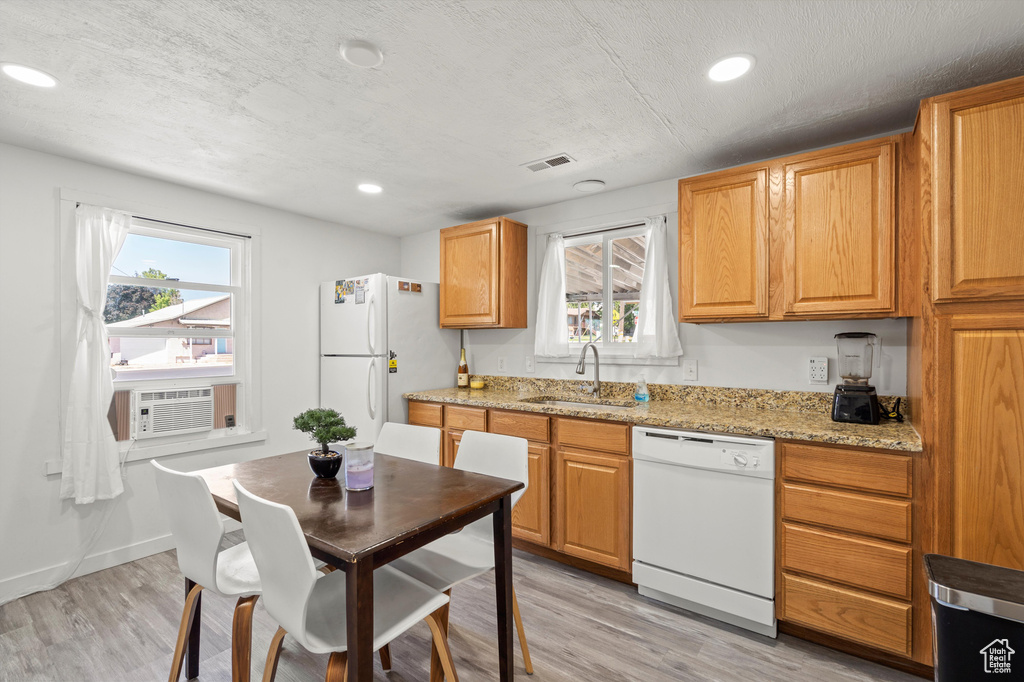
(840, 232)
(723, 246)
(483, 275)
(806, 236)
(978, 187)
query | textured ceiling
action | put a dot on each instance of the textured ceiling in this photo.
(249, 98)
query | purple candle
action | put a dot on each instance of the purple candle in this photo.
(359, 466)
(359, 478)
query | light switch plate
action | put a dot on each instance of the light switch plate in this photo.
(689, 370)
(818, 370)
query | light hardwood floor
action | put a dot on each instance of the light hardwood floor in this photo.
(120, 624)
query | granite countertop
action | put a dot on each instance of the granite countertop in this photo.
(805, 425)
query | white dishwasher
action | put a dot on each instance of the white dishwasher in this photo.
(704, 523)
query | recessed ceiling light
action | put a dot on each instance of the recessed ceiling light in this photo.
(361, 53)
(370, 189)
(731, 67)
(29, 75)
(589, 185)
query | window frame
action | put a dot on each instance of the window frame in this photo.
(606, 237)
(239, 330)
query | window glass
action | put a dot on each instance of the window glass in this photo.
(159, 258)
(584, 287)
(130, 307)
(627, 273)
(161, 357)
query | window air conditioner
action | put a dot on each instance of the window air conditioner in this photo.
(166, 412)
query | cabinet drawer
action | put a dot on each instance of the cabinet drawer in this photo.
(871, 620)
(870, 471)
(877, 566)
(425, 414)
(593, 435)
(466, 418)
(879, 516)
(522, 424)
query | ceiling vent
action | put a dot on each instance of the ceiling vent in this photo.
(550, 162)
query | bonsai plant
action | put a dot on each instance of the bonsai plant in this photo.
(324, 426)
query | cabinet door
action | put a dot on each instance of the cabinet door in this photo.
(531, 517)
(594, 507)
(983, 427)
(979, 194)
(470, 275)
(840, 237)
(723, 246)
(451, 447)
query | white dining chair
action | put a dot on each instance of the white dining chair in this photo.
(458, 557)
(198, 533)
(419, 443)
(310, 606)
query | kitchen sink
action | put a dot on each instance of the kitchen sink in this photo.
(613, 406)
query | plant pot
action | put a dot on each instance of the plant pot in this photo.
(325, 466)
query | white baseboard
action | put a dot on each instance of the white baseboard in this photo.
(35, 581)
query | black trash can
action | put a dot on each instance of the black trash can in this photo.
(977, 620)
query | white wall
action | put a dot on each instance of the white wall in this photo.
(38, 532)
(770, 355)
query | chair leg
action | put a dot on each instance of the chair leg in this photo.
(522, 633)
(241, 639)
(385, 657)
(436, 669)
(440, 637)
(337, 667)
(187, 618)
(270, 669)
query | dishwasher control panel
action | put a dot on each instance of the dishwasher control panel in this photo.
(747, 455)
(740, 458)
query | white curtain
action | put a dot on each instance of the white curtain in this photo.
(91, 466)
(552, 338)
(657, 334)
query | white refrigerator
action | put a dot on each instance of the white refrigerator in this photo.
(379, 338)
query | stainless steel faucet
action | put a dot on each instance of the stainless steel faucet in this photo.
(581, 367)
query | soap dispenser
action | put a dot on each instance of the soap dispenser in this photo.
(641, 393)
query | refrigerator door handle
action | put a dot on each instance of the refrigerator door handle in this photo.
(369, 385)
(370, 325)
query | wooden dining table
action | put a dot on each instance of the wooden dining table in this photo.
(410, 505)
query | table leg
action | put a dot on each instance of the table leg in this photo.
(503, 586)
(192, 647)
(359, 618)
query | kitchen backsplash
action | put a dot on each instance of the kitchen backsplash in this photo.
(755, 398)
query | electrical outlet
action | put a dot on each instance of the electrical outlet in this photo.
(501, 364)
(689, 370)
(818, 371)
(528, 365)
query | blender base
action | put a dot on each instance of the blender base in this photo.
(855, 405)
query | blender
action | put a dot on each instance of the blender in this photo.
(855, 401)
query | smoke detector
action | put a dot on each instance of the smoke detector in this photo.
(550, 162)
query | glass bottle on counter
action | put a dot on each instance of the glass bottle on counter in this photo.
(463, 374)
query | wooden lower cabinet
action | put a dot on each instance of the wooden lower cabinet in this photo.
(851, 614)
(593, 503)
(451, 447)
(531, 517)
(845, 545)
